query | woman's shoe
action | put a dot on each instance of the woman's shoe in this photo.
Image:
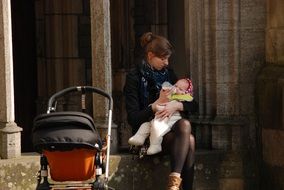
(174, 182)
(140, 136)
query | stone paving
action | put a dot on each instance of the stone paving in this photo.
(125, 172)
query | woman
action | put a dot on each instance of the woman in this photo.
(144, 94)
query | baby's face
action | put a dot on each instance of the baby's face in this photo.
(181, 86)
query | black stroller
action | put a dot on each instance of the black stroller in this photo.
(70, 146)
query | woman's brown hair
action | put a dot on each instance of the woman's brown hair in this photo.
(156, 44)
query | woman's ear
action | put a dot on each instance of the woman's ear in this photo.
(150, 55)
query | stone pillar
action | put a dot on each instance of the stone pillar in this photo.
(101, 64)
(270, 99)
(225, 50)
(10, 136)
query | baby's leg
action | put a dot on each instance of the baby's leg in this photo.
(141, 135)
(157, 130)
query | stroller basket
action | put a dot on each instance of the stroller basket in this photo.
(70, 144)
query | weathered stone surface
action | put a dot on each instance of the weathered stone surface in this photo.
(19, 173)
(274, 32)
(270, 98)
(275, 46)
(10, 145)
(64, 6)
(59, 43)
(273, 147)
(252, 14)
(252, 54)
(227, 99)
(272, 177)
(6, 64)
(225, 45)
(39, 9)
(247, 97)
(10, 140)
(221, 137)
(275, 13)
(232, 184)
(125, 173)
(101, 54)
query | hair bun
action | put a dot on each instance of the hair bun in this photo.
(146, 38)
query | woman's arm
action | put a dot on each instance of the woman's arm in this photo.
(186, 107)
(135, 115)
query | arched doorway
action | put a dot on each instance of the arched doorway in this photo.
(25, 71)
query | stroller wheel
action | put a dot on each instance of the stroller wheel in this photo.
(99, 185)
(43, 187)
(100, 162)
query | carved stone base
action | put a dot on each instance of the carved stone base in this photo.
(10, 140)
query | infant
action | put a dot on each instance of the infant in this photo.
(156, 128)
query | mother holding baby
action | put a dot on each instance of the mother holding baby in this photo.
(143, 93)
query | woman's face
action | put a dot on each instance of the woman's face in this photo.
(156, 62)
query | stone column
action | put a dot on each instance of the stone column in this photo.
(270, 99)
(10, 136)
(101, 64)
(225, 49)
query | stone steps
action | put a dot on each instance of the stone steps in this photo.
(125, 172)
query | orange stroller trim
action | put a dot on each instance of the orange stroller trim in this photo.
(78, 167)
(70, 146)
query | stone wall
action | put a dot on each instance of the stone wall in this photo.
(275, 32)
(125, 172)
(63, 36)
(270, 90)
(270, 100)
(10, 133)
(225, 48)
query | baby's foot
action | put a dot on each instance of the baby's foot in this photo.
(154, 149)
(137, 140)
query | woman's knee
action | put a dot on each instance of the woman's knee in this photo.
(183, 126)
(192, 142)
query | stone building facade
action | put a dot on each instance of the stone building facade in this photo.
(270, 99)
(233, 51)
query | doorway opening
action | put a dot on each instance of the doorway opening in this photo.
(25, 71)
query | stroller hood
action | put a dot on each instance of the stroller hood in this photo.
(65, 131)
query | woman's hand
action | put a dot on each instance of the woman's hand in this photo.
(169, 109)
(163, 98)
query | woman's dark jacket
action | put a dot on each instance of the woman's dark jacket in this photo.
(137, 112)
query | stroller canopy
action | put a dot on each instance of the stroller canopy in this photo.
(65, 131)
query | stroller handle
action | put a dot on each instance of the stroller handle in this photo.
(83, 89)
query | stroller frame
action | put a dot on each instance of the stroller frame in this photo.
(99, 183)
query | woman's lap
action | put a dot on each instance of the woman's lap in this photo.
(169, 138)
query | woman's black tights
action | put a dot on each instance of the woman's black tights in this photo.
(180, 144)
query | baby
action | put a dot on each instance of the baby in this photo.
(182, 91)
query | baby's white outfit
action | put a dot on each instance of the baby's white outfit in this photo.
(156, 129)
